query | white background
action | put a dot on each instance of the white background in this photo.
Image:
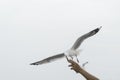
(31, 30)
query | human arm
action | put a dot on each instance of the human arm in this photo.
(78, 69)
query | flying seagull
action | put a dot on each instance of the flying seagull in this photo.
(72, 52)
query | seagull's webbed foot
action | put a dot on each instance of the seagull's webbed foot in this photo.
(77, 59)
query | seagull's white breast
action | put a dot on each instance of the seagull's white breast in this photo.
(72, 52)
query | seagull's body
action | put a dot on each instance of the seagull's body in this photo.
(72, 52)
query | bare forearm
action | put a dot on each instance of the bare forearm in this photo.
(87, 75)
(78, 69)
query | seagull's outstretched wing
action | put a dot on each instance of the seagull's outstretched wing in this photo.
(82, 38)
(49, 59)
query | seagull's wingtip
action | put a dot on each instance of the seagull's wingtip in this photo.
(33, 64)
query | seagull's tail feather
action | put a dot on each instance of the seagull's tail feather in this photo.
(49, 59)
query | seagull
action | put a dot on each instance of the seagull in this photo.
(72, 52)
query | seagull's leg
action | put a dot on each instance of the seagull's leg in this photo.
(71, 57)
(77, 58)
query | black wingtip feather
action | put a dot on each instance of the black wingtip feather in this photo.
(33, 64)
(97, 29)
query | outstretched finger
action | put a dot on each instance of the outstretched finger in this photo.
(72, 68)
(70, 65)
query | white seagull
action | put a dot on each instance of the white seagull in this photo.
(72, 52)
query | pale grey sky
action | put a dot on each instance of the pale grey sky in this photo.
(31, 30)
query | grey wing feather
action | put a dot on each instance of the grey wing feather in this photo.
(49, 59)
(82, 38)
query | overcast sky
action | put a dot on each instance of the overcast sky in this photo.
(31, 30)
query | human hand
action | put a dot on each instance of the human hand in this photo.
(74, 66)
